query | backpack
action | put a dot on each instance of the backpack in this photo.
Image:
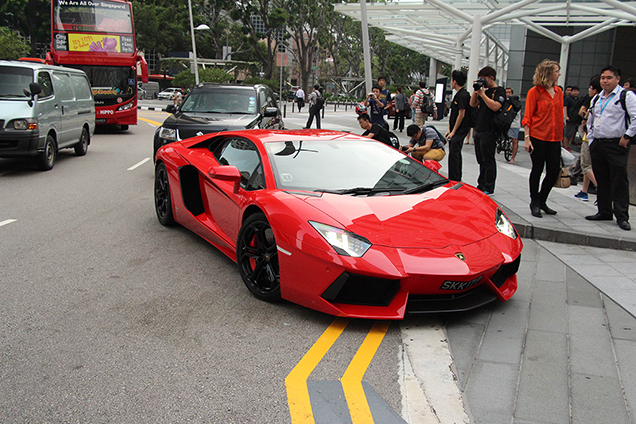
(506, 114)
(428, 104)
(439, 134)
(320, 102)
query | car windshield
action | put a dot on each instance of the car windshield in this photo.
(347, 167)
(221, 101)
(13, 81)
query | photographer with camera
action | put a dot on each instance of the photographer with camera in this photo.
(375, 108)
(489, 97)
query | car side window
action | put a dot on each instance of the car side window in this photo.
(81, 87)
(44, 79)
(242, 154)
(62, 81)
(271, 101)
(262, 100)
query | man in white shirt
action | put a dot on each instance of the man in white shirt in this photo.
(611, 125)
(300, 98)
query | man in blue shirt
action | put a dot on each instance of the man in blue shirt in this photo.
(611, 125)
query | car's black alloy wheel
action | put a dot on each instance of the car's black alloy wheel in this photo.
(257, 258)
(163, 204)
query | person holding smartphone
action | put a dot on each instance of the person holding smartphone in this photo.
(543, 128)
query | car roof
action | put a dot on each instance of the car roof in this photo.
(207, 85)
(36, 65)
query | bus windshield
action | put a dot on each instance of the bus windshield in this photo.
(92, 16)
(110, 83)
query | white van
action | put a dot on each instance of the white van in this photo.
(44, 108)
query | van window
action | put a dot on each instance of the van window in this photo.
(81, 87)
(62, 84)
(13, 80)
(44, 79)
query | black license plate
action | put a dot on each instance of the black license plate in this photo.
(101, 120)
(460, 285)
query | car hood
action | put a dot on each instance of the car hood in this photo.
(436, 219)
(209, 122)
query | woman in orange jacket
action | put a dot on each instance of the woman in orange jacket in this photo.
(543, 127)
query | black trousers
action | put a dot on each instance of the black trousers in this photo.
(455, 145)
(313, 111)
(485, 146)
(609, 163)
(399, 119)
(545, 154)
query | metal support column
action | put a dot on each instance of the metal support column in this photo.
(366, 50)
(563, 62)
(475, 47)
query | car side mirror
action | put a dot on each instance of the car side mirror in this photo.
(270, 112)
(171, 108)
(226, 173)
(433, 165)
(34, 90)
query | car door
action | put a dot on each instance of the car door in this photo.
(49, 112)
(225, 204)
(69, 132)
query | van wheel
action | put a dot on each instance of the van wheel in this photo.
(123, 127)
(82, 147)
(154, 95)
(46, 159)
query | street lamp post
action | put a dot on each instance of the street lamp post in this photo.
(194, 44)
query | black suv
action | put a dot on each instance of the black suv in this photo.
(219, 107)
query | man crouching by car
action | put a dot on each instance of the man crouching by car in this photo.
(425, 144)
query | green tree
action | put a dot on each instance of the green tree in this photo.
(263, 20)
(162, 26)
(31, 18)
(11, 45)
(307, 19)
(185, 79)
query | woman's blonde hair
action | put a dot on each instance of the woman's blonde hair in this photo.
(543, 73)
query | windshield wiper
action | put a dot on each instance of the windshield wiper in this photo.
(426, 186)
(360, 191)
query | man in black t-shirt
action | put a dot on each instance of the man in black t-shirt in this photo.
(489, 98)
(458, 126)
(374, 131)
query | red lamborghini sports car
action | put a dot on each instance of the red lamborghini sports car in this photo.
(338, 223)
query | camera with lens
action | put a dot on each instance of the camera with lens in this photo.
(479, 84)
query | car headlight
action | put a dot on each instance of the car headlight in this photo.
(168, 134)
(25, 124)
(504, 225)
(126, 106)
(344, 242)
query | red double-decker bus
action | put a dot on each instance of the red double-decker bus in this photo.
(98, 37)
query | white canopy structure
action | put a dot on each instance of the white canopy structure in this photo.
(461, 32)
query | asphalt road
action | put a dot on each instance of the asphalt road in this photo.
(107, 316)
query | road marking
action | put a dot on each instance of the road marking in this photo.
(132, 168)
(150, 121)
(7, 221)
(296, 381)
(352, 378)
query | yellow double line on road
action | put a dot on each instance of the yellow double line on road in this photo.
(296, 381)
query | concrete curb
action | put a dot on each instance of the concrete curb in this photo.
(151, 108)
(528, 230)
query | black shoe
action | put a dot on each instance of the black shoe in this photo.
(624, 225)
(535, 211)
(599, 217)
(548, 210)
